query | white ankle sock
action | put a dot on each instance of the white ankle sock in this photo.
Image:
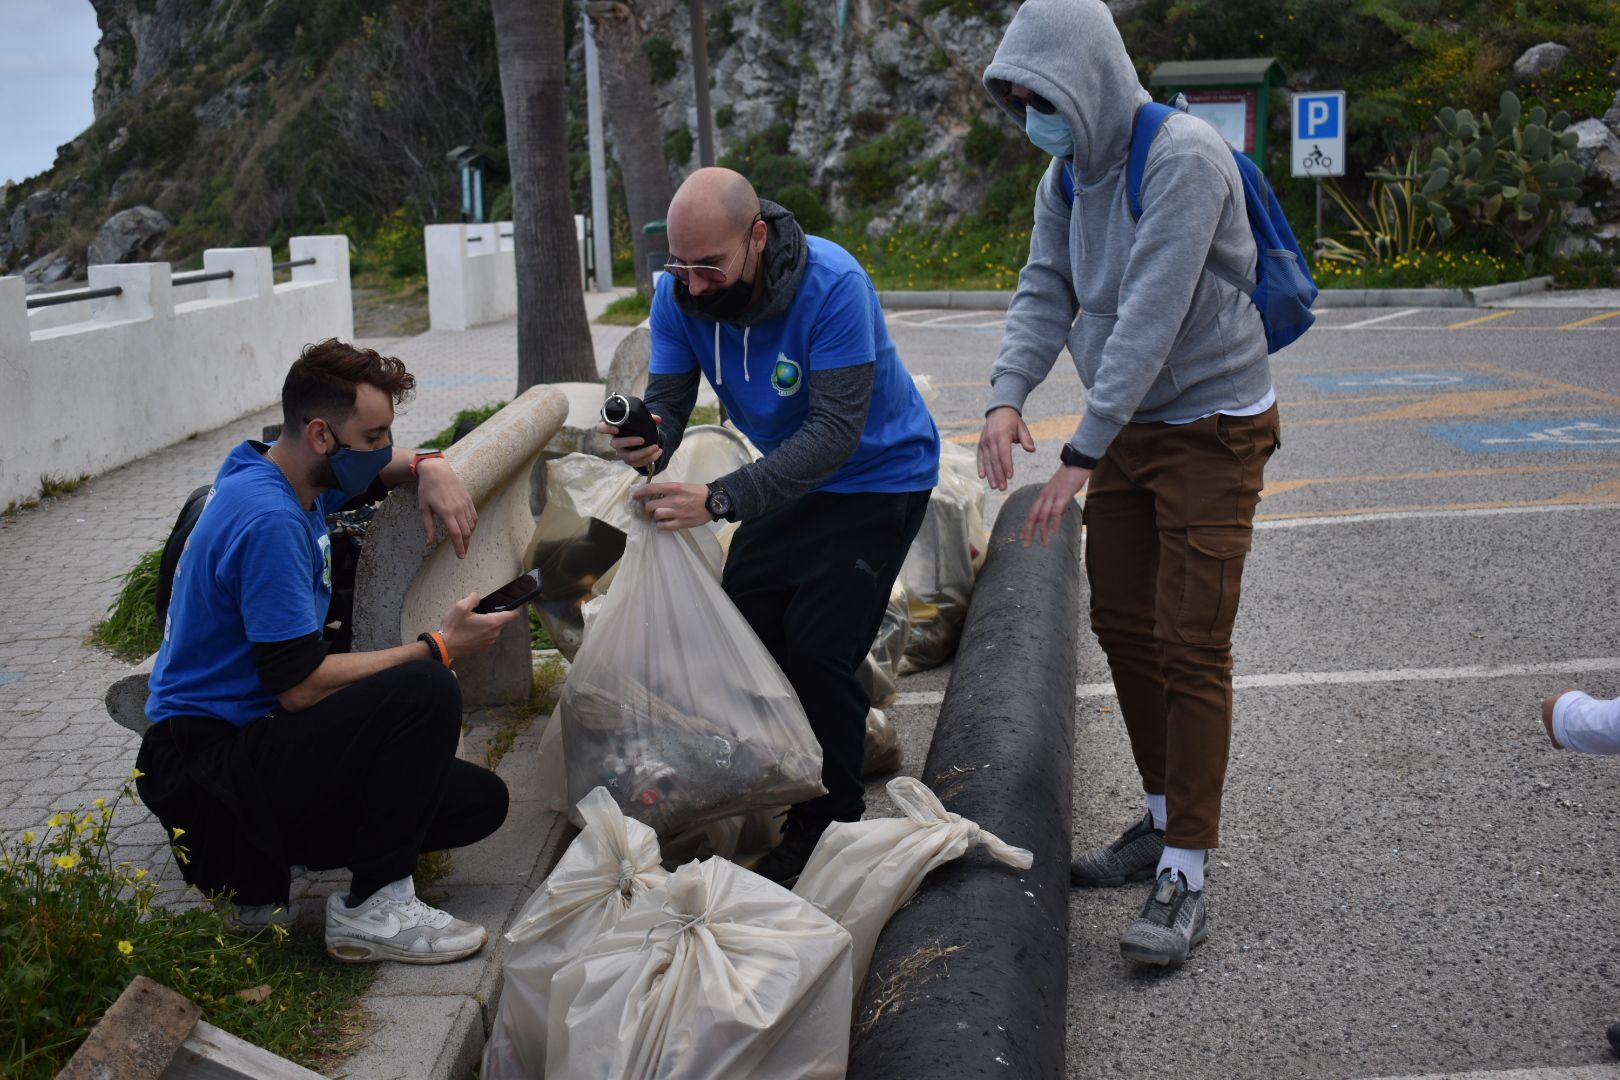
(400, 891)
(1155, 806)
(1190, 861)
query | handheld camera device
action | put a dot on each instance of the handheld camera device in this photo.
(514, 594)
(631, 417)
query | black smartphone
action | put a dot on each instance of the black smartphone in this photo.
(514, 594)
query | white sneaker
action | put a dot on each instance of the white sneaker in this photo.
(383, 928)
(259, 916)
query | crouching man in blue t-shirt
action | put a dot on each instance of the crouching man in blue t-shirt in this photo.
(788, 330)
(267, 751)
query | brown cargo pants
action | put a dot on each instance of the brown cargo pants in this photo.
(1169, 517)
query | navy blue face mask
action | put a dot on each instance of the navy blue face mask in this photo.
(354, 470)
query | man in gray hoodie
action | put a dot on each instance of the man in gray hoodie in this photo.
(1180, 419)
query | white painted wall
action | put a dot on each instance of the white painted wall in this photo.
(141, 371)
(472, 273)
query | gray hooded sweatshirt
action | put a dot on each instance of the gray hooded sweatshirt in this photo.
(1157, 337)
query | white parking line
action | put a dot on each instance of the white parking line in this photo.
(1379, 319)
(1284, 679)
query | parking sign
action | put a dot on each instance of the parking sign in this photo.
(1318, 126)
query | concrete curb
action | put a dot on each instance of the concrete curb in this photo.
(971, 977)
(430, 1023)
(1329, 299)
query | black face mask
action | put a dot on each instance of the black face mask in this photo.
(721, 305)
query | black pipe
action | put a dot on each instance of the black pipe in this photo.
(197, 277)
(310, 261)
(971, 977)
(72, 296)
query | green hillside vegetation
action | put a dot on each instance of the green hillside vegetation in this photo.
(341, 131)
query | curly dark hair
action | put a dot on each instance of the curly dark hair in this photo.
(322, 382)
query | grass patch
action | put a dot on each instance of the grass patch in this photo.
(626, 311)
(539, 636)
(979, 254)
(130, 630)
(474, 417)
(52, 486)
(76, 927)
(549, 675)
(704, 414)
(17, 506)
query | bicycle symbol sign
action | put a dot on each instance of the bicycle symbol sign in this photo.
(1521, 436)
(1319, 134)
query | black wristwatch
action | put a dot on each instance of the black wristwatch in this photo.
(1070, 456)
(719, 503)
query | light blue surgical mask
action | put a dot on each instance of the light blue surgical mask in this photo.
(1050, 132)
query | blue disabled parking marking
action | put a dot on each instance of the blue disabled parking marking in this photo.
(1385, 381)
(1519, 436)
(9, 676)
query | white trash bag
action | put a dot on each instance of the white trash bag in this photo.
(862, 872)
(725, 975)
(944, 561)
(673, 704)
(613, 862)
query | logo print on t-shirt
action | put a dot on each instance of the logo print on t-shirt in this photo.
(786, 376)
(325, 543)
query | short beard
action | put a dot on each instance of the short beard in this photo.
(323, 476)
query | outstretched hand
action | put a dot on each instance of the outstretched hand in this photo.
(1002, 428)
(1046, 516)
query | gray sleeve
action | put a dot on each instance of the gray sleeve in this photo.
(671, 399)
(839, 401)
(1043, 309)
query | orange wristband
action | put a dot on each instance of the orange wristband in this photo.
(436, 645)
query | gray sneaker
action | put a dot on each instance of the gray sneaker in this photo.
(1133, 857)
(1171, 923)
(410, 932)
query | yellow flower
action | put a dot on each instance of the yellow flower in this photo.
(66, 862)
(179, 832)
(28, 837)
(135, 774)
(101, 802)
(125, 947)
(55, 822)
(140, 872)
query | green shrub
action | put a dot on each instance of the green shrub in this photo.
(978, 253)
(1440, 269)
(76, 927)
(875, 168)
(131, 630)
(1396, 223)
(805, 205)
(792, 18)
(1588, 270)
(678, 145)
(984, 143)
(765, 159)
(723, 116)
(466, 416)
(662, 57)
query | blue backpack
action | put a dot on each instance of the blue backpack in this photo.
(1284, 290)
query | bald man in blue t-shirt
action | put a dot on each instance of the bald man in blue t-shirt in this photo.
(788, 330)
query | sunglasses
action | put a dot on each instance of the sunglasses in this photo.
(1034, 101)
(714, 275)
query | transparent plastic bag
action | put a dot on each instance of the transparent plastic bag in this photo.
(725, 975)
(940, 568)
(883, 751)
(862, 872)
(674, 705)
(609, 865)
(881, 667)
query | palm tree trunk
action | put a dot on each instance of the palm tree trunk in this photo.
(554, 339)
(638, 139)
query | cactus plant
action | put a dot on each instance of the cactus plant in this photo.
(1513, 173)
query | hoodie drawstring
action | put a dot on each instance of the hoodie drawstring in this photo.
(719, 375)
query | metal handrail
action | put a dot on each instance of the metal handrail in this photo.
(72, 296)
(480, 239)
(292, 263)
(197, 277)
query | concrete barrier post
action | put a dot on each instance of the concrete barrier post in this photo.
(971, 977)
(148, 292)
(447, 276)
(331, 255)
(403, 589)
(13, 318)
(251, 274)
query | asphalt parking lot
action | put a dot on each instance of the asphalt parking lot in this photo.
(1412, 881)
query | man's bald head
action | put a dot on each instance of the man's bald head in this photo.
(714, 220)
(715, 196)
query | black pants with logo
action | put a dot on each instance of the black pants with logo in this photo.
(813, 579)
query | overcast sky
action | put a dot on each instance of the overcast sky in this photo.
(47, 72)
